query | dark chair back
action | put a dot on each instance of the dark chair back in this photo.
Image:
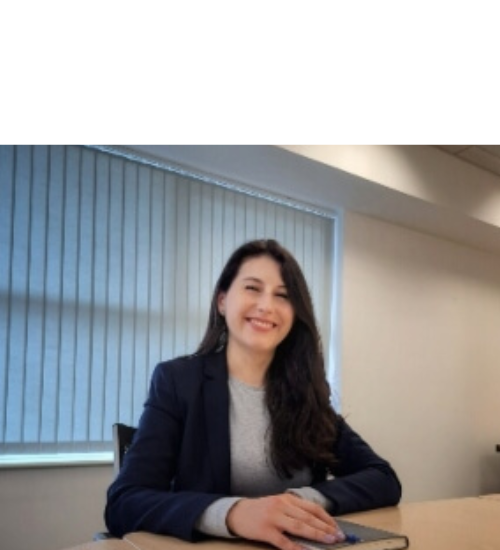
(122, 439)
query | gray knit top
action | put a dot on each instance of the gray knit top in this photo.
(252, 473)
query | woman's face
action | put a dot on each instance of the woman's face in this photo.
(258, 312)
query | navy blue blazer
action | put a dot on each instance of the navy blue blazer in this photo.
(179, 463)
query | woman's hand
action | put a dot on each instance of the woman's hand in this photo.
(270, 519)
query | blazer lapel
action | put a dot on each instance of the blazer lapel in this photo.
(216, 403)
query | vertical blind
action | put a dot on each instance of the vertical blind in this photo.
(107, 266)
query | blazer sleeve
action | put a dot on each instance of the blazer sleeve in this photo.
(362, 479)
(144, 496)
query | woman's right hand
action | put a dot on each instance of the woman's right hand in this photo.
(270, 519)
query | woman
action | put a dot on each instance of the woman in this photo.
(240, 439)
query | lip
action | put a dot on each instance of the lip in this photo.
(261, 324)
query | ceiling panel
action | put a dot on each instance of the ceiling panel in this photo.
(486, 157)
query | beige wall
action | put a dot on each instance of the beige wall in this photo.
(420, 356)
(51, 508)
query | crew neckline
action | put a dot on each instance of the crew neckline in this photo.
(236, 381)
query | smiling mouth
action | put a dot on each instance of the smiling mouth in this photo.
(261, 324)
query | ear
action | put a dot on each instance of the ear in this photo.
(221, 303)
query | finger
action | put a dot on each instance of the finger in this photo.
(317, 532)
(316, 511)
(301, 523)
(314, 516)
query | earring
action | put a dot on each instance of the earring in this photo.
(222, 338)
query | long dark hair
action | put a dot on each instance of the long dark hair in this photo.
(303, 422)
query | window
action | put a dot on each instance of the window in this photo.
(107, 267)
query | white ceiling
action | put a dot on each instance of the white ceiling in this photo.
(486, 157)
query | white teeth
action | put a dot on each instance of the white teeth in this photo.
(263, 324)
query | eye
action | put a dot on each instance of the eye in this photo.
(252, 288)
(283, 295)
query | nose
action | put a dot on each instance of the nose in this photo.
(265, 303)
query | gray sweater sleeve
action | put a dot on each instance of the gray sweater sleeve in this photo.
(213, 520)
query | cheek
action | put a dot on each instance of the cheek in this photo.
(288, 317)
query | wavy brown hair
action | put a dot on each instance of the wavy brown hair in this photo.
(303, 422)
